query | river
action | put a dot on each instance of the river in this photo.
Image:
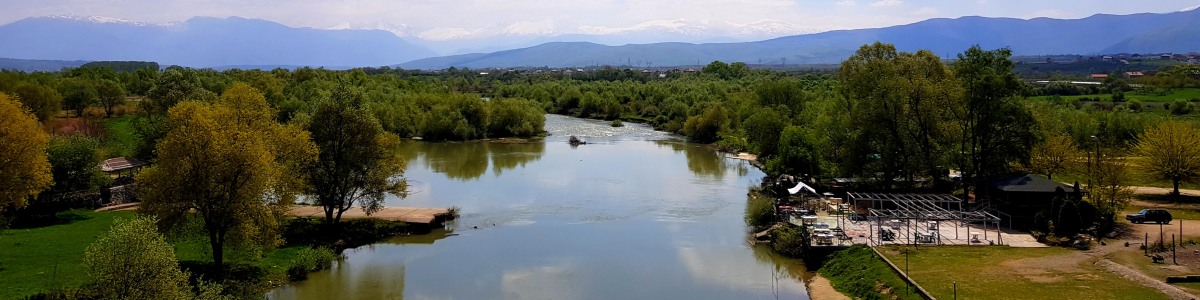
(634, 214)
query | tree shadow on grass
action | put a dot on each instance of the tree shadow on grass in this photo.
(1171, 199)
(46, 220)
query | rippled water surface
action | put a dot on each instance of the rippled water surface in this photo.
(634, 214)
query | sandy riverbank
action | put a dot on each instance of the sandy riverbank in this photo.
(820, 288)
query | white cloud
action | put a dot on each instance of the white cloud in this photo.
(887, 3)
(925, 11)
(846, 3)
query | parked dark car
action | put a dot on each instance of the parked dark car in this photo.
(1160, 216)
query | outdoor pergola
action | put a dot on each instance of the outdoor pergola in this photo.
(916, 210)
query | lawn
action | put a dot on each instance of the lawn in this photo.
(120, 138)
(1000, 272)
(1174, 94)
(42, 259)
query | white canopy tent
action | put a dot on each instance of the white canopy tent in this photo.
(802, 187)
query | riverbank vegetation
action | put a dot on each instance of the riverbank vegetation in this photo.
(861, 274)
(49, 260)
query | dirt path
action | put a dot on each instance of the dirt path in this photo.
(1138, 277)
(1150, 190)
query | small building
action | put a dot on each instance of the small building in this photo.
(121, 166)
(1099, 76)
(1134, 74)
(1019, 197)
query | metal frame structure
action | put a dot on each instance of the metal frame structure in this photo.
(920, 207)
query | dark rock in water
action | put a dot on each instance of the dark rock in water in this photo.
(575, 141)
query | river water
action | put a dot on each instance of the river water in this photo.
(634, 214)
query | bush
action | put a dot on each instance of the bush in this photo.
(310, 260)
(1134, 105)
(760, 211)
(790, 240)
(1180, 107)
(617, 123)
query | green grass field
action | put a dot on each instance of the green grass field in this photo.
(1180, 94)
(999, 272)
(46, 258)
(120, 139)
(41, 259)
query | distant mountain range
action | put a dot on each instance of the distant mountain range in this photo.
(237, 42)
(1137, 33)
(202, 42)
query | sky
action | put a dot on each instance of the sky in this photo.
(466, 19)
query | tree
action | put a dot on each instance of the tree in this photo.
(24, 168)
(78, 94)
(111, 95)
(705, 127)
(358, 161)
(797, 153)
(997, 129)
(74, 162)
(1109, 193)
(230, 165)
(134, 261)
(902, 108)
(44, 102)
(1053, 155)
(1172, 152)
(763, 130)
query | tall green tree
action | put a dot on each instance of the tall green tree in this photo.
(1053, 155)
(902, 105)
(997, 129)
(78, 94)
(43, 101)
(228, 164)
(1172, 150)
(111, 95)
(359, 162)
(763, 129)
(24, 168)
(134, 261)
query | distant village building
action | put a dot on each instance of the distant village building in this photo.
(1099, 76)
(1134, 74)
(1106, 58)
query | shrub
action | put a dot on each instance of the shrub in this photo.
(1134, 105)
(790, 241)
(760, 211)
(617, 123)
(1180, 107)
(310, 260)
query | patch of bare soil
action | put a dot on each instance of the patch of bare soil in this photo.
(820, 288)
(1049, 268)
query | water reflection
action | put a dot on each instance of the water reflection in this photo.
(470, 160)
(704, 160)
(628, 217)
